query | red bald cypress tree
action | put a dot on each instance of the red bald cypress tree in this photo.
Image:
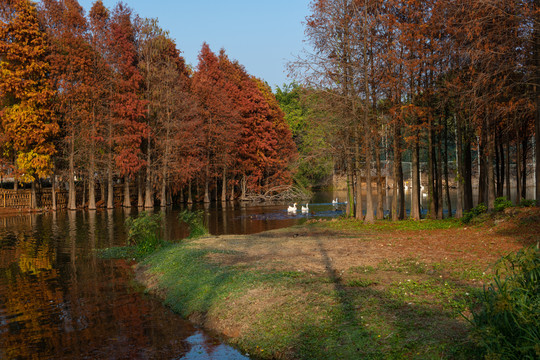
(99, 20)
(127, 106)
(72, 67)
(217, 115)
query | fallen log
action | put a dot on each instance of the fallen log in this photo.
(279, 193)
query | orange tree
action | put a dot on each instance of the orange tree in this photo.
(27, 122)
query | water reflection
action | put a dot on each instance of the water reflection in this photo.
(59, 301)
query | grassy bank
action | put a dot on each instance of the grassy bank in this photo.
(336, 289)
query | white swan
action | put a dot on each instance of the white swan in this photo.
(292, 208)
(305, 209)
(334, 202)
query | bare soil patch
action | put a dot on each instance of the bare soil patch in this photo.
(315, 249)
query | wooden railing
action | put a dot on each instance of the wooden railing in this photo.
(15, 199)
(21, 199)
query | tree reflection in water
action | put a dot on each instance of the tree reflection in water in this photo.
(58, 300)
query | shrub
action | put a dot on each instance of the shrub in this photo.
(474, 212)
(144, 233)
(501, 203)
(507, 326)
(195, 222)
(527, 203)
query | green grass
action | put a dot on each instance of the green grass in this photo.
(407, 266)
(302, 315)
(426, 224)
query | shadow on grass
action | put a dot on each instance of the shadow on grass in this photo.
(370, 324)
(300, 317)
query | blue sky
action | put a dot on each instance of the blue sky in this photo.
(261, 34)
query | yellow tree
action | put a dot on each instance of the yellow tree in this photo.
(25, 91)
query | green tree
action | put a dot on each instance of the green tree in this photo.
(314, 164)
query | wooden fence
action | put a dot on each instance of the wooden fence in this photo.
(15, 199)
(22, 198)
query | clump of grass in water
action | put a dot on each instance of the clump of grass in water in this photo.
(144, 233)
(195, 222)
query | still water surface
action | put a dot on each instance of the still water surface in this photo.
(58, 300)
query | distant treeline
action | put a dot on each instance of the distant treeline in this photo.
(95, 99)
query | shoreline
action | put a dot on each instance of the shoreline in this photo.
(6, 212)
(336, 289)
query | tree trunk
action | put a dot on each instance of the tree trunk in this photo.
(140, 190)
(503, 179)
(380, 206)
(467, 176)
(169, 193)
(349, 210)
(207, 190)
(415, 202)
(359, 211)
(72, 205)
(508, 180)
(536, 62)
(102, 188)
(92, 165)
(397, 165)
(524, 150)
(490, 171)
(482, 179)
(447, 187)
(537, 137)
(231, 196)
(165, 165)
(53, 191)
(33, 197)
(83, 198)
(92, 184)
(207, 184)
(401, 189)
(15, 181)
(110, 185)
(127, 199)
(148, 190)
(370, 218)
(224, 186)
(518, 170)
(439, 176)
(497, 167)
(163, 196)
(459, 170)
(243, 185)
(432, 210)
(190, 195)
(110, 189)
